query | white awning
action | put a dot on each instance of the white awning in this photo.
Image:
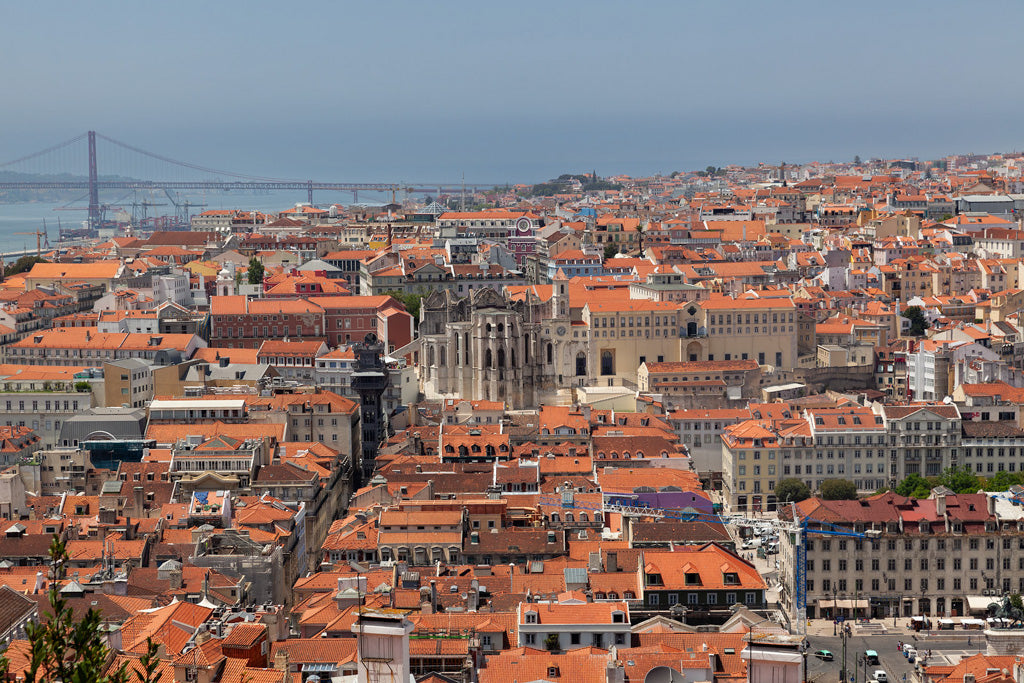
(844, 604)
(979, 603)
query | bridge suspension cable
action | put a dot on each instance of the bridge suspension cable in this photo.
(40, 153)
(185, 164)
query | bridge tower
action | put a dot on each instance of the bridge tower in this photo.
(94, 190)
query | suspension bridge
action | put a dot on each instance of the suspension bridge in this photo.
(62, 163)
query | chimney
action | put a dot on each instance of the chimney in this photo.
(433, 596)
(174, 579)
(991, 504)
(39, 583)
(940, 505)
(611, 562)
(281, 660)
(139, 495)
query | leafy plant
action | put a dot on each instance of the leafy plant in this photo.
(150, 662)
(256, 271)
(838, 489)
(792, 491)
(918, 323)
(61, 648)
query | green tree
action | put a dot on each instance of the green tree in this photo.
(1002, 481)
(914, 486)
(961, 480)
(410, 301)
(63, 648)
(856, 160)
(23, 265)
(610, 250)
(256, 271)
(792, 491)
(838, 489)
(150, 661)
(552, 642)
(1016, 601)
(918, 323)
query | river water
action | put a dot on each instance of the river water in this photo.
(29, 217)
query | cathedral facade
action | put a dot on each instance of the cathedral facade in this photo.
(488, 346)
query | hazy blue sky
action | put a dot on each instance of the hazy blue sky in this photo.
(511, 91)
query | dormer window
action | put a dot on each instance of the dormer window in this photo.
(531, 617)
(553, 672)
(692, 579)
(618, 617)
(730, 578)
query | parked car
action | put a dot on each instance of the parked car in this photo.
(871, 656)
(880, 676)
(824, 655)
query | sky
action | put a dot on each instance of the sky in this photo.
(511, 91)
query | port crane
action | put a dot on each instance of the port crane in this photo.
(800, 529)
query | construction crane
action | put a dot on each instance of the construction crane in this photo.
(799, 528)
(39, 240)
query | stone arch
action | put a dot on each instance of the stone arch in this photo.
(581, 364)
(487, 359)
(693, 351)
(607, 362)
(551, 353)
(526, 348)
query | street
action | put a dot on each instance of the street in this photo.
(891, 660)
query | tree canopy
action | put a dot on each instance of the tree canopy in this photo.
(961, 480)
(792, 490)
(918, 323)
(62, 648)
(1002, 481)
(958, 480)
(838, 489)
(23, 265)
(256, 271)
(914, 486)
(410, 301)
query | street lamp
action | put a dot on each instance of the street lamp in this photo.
(835, 613)
(842, 671)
